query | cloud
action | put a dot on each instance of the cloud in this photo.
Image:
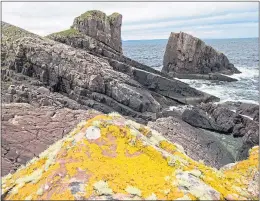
(142, 20)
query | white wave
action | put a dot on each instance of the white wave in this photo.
(246, 73)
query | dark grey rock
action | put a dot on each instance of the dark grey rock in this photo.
(220, 119)
(98, 25)
(210, 76)
(186, 54)
(199, 118)
(197, 144)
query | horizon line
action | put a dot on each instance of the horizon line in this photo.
(200, 38)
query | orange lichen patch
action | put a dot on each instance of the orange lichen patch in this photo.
(108, 155)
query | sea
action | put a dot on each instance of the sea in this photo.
(243, 53)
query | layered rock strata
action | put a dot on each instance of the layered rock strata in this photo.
(189, 57)
(92, 81)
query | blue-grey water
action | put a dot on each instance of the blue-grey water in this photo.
(243, 53)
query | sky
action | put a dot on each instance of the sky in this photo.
(143, 20)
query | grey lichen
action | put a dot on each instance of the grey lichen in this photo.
(102, 188)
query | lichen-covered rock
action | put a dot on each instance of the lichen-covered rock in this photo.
(96, 24)
(186, 54)
(125, 160)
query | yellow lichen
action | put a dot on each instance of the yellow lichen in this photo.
(127, 158)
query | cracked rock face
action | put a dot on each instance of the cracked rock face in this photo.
(27, 130)
(186, 54)
(98, 25)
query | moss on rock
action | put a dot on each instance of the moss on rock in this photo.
(93, 14)
(11, 32)
(66, 33)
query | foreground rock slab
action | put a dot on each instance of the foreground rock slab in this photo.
(199, 145)
(109, 157)
(189, 55)
(27, 131)
(240, 121)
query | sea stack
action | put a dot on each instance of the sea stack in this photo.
(188, 55)
(98, 25)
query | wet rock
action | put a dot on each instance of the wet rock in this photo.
(210, 76)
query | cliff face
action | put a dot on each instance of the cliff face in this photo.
(109, 157)
(106, 29)
(186, 54)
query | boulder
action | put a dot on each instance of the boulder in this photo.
(142, 165)
(186, 54)
(199, 118)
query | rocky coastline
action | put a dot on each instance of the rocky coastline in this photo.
(50, 84)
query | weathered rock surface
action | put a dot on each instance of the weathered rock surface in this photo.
(72, 72)
(186, 54)
(91, 80)
(106, 29)
(210, 76)
(158, 82)
(198, 144)
(142, 165)
(199, 118)
(249, 110)
(27, 130)
(221, 119)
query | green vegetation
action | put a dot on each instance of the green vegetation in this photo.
(96, 14)
(11, 33)
(68, 33)
(113, 16)
(93, 14)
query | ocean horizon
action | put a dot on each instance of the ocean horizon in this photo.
(242, 52)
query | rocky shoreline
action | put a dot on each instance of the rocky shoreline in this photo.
(50, 84)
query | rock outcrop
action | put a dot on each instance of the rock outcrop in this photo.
(198, 144)
(91, 79)
(219, 118)
(190, 56)
(109, 157)
(29, 130)
(96, 24)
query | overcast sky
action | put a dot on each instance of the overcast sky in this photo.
(142, 20)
